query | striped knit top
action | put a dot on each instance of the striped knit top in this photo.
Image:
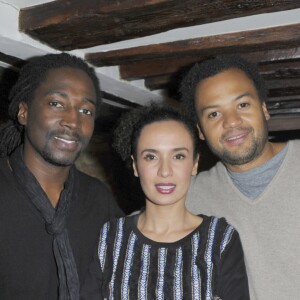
(206, 264)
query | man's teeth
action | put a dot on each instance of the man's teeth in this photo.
(234, 138)
(65, 141)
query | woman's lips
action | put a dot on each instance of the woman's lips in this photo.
(165, 188)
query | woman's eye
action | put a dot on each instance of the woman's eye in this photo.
(149, 157)
(179, 156)
(213, 115)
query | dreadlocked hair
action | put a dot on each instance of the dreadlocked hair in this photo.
(128, 130)
(30, 77)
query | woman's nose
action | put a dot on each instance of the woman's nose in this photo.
(165, 168)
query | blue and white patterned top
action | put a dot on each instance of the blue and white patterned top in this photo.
(207, 264)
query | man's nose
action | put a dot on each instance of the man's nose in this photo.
(231, 119)
(71, 118)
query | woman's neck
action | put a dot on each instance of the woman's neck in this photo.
(167, 224)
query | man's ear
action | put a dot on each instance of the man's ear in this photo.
(135, 171)
(22, 113)
(265, 111)
(201, 136)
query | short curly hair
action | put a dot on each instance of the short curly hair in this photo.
(127, 133)
(213, 66)
(31, 76)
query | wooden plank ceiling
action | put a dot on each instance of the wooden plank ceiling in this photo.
(76, 24)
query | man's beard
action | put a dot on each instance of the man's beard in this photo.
(237, 158)
(60, 162)
(50, 155)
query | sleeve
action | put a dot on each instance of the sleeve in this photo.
(91, 289)
(232, 277)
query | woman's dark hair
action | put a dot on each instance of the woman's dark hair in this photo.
(128, 131)
(30, 78)
(211, 67)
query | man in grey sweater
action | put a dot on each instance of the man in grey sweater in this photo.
(255, 185)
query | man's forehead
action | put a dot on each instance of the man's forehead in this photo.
(66, 73)
(225, 79)
(56, 80)
(64, 70)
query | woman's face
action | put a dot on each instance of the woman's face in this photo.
(165, 162)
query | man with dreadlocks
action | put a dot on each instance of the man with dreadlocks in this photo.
(50, 212)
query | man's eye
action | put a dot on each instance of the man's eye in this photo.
(243, 105)
(213, 115)
(85, 111)
(55, 104)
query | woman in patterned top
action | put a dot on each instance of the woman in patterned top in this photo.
(164, 251)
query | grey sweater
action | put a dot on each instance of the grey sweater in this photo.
(269, 226)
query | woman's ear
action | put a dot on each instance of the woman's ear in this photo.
(22, 113)
(135, 171)
(195, 167)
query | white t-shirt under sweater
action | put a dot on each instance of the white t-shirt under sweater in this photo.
(269, 226)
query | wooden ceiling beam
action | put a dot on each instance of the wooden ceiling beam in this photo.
(97, 22)
(286, 70)
(284, 92)
(157, 67)
(163, 81)
(283, 83)
(283, 123)
(273, 55)
(11, 60)
(163, 66)
(280, 37)
(291, 104)
(158, 82)
(282, 80)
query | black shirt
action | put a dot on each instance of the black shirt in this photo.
(27, 265)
